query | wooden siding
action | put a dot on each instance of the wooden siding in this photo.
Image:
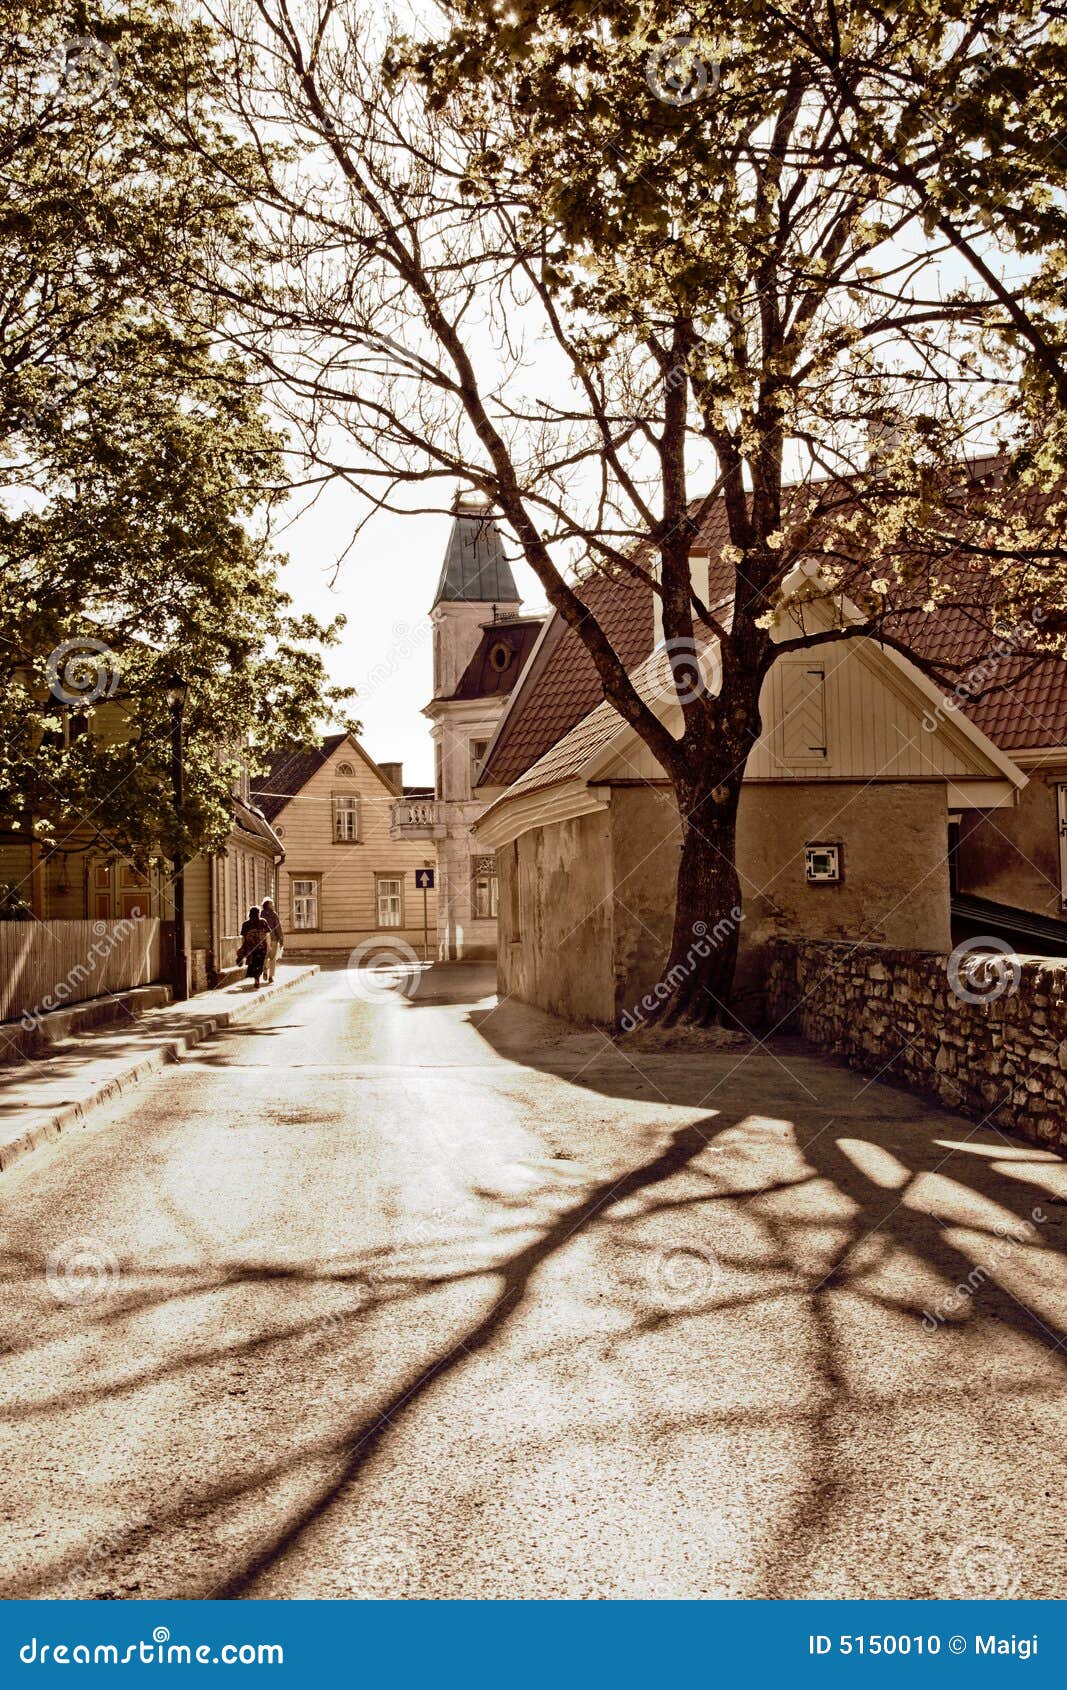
(347, 873)
(47, 965)
(871, 729)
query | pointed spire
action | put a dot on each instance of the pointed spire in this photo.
(475, 569)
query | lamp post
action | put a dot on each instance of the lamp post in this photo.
(177, 691)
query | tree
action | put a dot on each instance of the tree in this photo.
(138, 466)
(593, 265)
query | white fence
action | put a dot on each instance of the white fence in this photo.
(47, 965)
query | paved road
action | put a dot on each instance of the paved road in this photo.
(433, 1298)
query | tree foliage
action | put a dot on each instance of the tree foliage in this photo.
(138, 468)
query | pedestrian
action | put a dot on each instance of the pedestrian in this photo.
(253, 951)
(273, 921)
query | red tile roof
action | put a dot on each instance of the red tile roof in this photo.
(561, 687)
(560, 684)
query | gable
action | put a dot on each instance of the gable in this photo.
(845, 711)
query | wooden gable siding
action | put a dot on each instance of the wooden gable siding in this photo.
(859, 711)
(347, 874)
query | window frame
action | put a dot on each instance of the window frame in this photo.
(345, 804)
(474, 763)
(315, 882)
(391, 878)
(491, 876)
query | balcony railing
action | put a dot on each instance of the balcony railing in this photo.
(417, 818)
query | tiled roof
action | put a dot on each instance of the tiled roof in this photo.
(652, 678)
(250, 819)
(561, 685)
(290, 771)
(498, 660)
(561, 688)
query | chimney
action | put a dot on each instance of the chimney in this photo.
(885, 433)
(394, 772)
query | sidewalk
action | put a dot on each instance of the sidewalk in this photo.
(43, 1097)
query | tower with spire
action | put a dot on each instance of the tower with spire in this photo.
(481, 641)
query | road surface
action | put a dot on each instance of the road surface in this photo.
(432, 1298)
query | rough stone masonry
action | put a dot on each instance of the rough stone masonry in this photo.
(1002, 1059)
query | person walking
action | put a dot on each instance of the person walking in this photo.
(253, 952)
(273, 922)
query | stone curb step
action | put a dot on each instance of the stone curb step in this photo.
(48, 1123)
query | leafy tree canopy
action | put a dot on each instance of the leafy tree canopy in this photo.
(138, 469)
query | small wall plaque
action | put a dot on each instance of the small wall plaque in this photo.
(822, 864)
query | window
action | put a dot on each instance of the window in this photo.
(484, 890)
(500, 656)
(439, 772)
(514, 899)
(305, 911)
(1061, 819)
(345, 770)
(803, 713)
(478, 749)
(390, 892)
(345, 819)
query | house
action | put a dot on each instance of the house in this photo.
(80, 879)
(858, 749)
(481, 641)
(346, 880)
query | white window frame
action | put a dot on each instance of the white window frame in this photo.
(301, 902)
(481, 872)
(345, 818)
(390, 904)
(473, 762)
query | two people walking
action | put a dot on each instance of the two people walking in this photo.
(261, 942)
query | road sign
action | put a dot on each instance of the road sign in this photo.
(424, 884)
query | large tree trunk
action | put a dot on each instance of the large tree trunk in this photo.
(694, 987)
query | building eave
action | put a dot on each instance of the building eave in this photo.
(509, 818)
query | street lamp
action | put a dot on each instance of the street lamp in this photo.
(177, 690)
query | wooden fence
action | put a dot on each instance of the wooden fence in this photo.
(47, 965)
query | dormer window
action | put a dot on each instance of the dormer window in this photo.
(500, 656)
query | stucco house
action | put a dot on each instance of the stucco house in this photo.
(870, 810)
(346, 880)
(481, 640)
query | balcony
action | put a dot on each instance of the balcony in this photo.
(417, 818)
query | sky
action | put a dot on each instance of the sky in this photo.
(385, 587)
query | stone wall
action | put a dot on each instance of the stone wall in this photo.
(1001, 1058)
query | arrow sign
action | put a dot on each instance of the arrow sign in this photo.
(424, 879)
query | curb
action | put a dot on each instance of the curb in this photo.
(77, 1113)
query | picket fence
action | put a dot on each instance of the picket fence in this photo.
(47, 965)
